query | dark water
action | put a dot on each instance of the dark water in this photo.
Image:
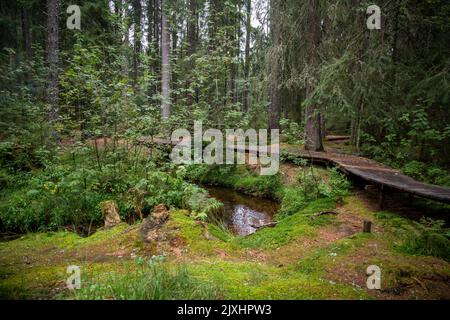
(243, 214)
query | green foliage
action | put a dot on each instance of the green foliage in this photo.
(68, 191)
(290, 227)
(428, 173)
(95, 96)
(212, 175)
(51, 200)
(239, 178)
(292, 132)
(311, 186)
(427, 237)
(430, 238)
(200, 204)
(152, 280)
(411, 142)
(337, 186)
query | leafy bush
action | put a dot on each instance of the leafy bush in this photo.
(239, 178)
(429, 238)
(260, 186)
(311, 186)
(293, 201)
(68, 192)
(23, 156)
(200, 204)
(427, 173)
(49, 203)
(292, 132)
(337, 186)
(223, 175)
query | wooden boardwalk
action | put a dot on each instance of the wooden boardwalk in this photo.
(363, 168)
(375, 173)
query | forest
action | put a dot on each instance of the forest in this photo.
(225, 149)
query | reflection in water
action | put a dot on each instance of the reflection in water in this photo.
(242, 214)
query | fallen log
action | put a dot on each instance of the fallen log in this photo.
(324, 213)
(268, 225)
(337, 138)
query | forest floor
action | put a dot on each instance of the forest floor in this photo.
(301, 258)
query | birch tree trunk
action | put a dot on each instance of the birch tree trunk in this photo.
(247, 53)
(275, 74)
(165, 68)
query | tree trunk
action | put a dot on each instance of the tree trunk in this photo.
(192, 35)
(137, 47)
(275, 74)
(156, 21)
(26, 34)
(165, 70)
(235, 53)
(215, 21)
(52, 58)
(150, 18)
(248, 27)
(313, 135)
(192, 27)
(173, 76)
(126, 40)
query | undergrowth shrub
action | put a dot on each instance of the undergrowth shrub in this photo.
(311, 186)
(429, 238)
(427, 173)
(293, 132)
(68, 191)
(239, 178)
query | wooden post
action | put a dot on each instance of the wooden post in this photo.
(381, 198)
(367, 228)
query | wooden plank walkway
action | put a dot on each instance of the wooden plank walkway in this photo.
(375, 173)
(366, 169)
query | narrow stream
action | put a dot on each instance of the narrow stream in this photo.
(243, 214)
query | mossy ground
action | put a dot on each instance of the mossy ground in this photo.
(303, 257)
(325, 258)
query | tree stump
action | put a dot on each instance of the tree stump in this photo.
(110, 212)
(367, 228)
(150, 227)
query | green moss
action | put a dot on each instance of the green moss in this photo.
(33, 243)
(32, 282)
(193, 234)
(257, 281)
(393, 221)
(222, 262)
(289, 228)
(317, 261)
(36, 262)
